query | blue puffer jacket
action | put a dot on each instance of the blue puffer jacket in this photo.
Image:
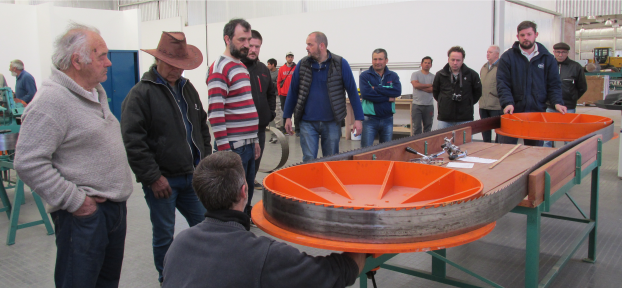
(528, 85)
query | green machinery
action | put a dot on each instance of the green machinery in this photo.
(9, 131)
(11, 111)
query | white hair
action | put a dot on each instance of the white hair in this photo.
(18, 64)
(73, 41)
(497, 49)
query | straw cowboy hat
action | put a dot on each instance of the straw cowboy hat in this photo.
(173, 50)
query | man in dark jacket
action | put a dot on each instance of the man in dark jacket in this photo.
(379, 86)
(573, 80)
(528, 77)
(165, 132)
(263, 91)
(456, 88)
(222, 252)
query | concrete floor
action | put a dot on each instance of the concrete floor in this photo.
(499, 256)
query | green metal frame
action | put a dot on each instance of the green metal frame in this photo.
(534, 216)
(12, 211)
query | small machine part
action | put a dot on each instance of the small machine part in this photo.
(431, 159)
(452, 150)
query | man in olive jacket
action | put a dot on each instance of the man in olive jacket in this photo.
(489, 105)
(165, 132)
(456, 88)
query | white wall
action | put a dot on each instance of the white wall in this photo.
(403, 29)
(32, 40)
(549, 26)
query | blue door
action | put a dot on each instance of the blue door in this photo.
(122, 76)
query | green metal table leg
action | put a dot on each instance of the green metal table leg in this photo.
(532, 257)
(439, 268)
(363, 280)
(19, 197)
(5, 200)
(591, 250)
(44, 214)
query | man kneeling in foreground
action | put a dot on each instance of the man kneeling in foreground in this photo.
(222, 252)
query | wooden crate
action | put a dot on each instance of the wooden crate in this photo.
(597, 89)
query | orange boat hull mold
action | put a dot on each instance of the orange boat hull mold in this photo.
(550, 126)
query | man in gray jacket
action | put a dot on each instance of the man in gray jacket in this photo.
(489, 103)
(71, 153)
(222, 252)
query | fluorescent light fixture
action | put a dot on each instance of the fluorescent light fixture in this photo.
(608, 22)
(591, 18)
(582, 29)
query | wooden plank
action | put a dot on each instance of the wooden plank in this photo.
(561, 169)
(398, 152)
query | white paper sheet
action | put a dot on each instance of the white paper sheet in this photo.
(459, 165)
(477, 160)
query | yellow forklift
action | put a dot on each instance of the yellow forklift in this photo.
(604, 56)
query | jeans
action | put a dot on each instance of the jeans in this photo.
(310, 133)
(90, 248)
(247, 153)
(162, 214)
(371, 126)
(485, 113)
(422, 114)
(550, 143)
(445, 124)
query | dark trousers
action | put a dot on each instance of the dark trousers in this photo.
(247, 153)
(90, 248)
(261, 134)
(296, 122)
(422, 115)
(485, 113)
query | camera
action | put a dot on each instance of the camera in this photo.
(456, 97)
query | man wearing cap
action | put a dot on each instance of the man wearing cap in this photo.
(283, 81)
(165, 132)
(232, 112)
(574, 84)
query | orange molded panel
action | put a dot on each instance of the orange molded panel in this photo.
(551, 126)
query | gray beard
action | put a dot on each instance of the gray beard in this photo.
(14, 74)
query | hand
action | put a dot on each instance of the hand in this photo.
(561, 108)
(358, 127)
(391, 99)
(359, 258)
(89, 206)
(257, 151)
(288, 126)
(508, 109)
(160, 188)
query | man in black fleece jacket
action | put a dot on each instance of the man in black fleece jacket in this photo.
(222, 252)
(263, 90)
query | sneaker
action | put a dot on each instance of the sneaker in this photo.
(258, 185)
(273, 141)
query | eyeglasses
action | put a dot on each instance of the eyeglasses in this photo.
(560, 52)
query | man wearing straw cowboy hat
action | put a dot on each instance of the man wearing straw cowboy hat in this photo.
(165, 132)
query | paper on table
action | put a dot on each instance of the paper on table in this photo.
(477, 160)
(460, 165)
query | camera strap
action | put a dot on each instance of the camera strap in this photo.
(453, 81)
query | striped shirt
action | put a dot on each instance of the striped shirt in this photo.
(231, 111)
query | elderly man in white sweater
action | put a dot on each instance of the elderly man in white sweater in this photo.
(70, 151)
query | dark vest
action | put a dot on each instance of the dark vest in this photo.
(336, 91)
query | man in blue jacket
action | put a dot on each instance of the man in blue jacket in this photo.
(528, 77)
(379, 86)
(317, 97)
(25, 86)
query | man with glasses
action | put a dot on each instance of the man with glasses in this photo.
(574, 84)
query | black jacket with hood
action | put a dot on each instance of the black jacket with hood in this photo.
(443, 89)
(263, 91)
(154, 131)
(574, 84)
